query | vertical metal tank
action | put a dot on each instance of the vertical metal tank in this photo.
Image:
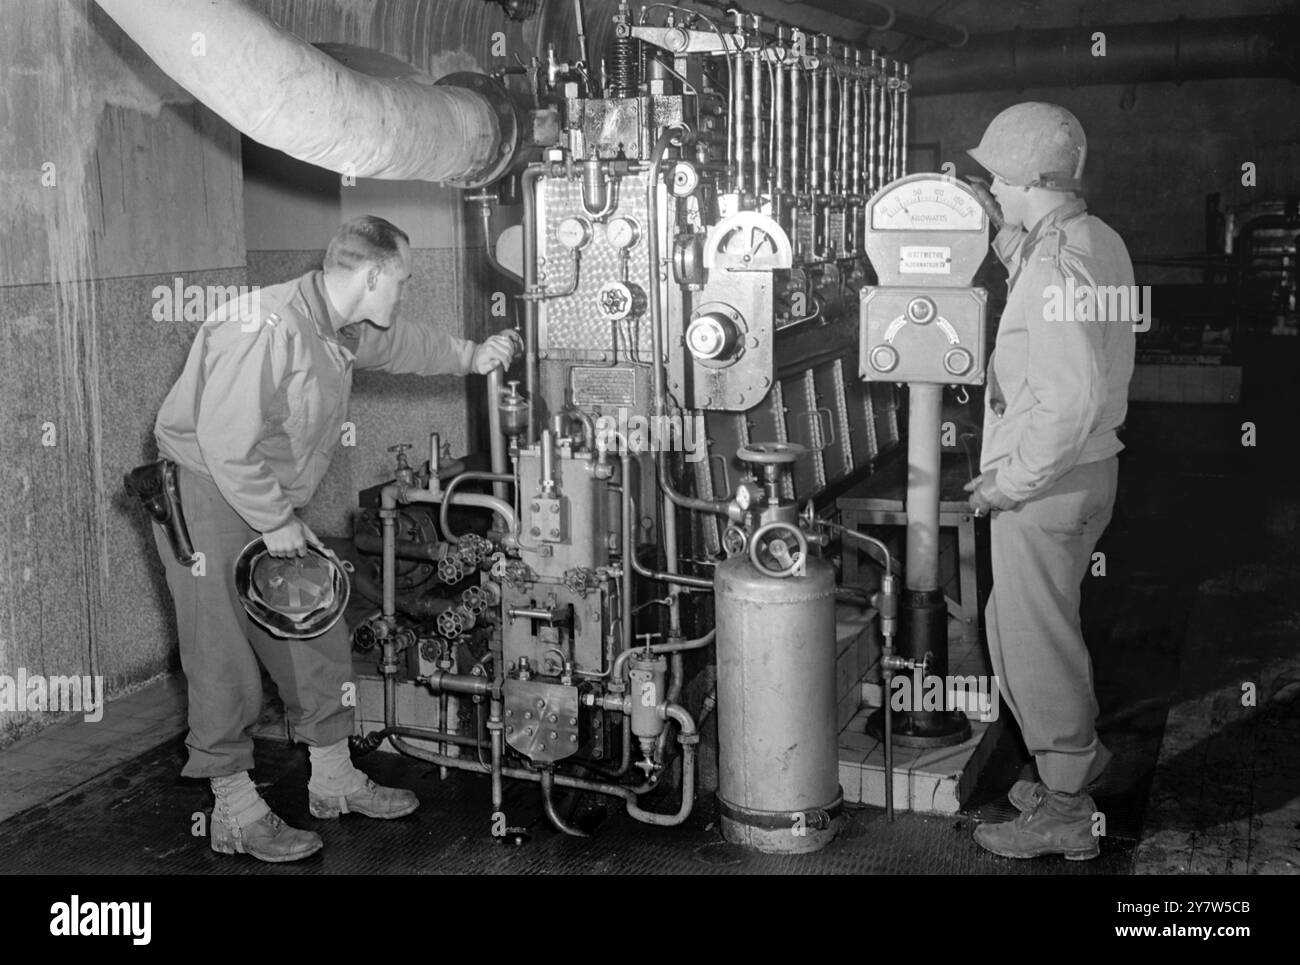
(778, 780)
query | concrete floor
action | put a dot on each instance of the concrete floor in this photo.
(1199, 609)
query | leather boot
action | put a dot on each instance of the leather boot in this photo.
(1057, 824)
(268, 839)
(371, 799)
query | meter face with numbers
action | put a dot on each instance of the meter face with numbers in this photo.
(931, 204)
(926, 236)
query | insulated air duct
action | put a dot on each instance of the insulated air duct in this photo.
(281, 91)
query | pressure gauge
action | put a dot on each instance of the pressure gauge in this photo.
(573, 233)
(622, 232)
(929, 204)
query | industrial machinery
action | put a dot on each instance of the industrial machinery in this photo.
(923, 324)
(696, 228)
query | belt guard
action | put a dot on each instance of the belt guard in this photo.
(154, 484)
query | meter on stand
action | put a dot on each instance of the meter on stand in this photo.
(923, 325)
(926, 236)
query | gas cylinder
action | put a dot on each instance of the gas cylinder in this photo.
(778, 764)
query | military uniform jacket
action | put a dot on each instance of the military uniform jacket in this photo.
(1061, 365)
(260, 404)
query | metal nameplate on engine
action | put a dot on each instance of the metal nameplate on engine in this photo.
(597, 385)
(541, 719)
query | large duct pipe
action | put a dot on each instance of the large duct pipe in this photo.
(883, 16)
(1135, 53)
(282, 92)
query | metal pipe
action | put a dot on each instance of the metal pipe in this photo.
(406, 549)
(429, 733)
(688, 737)
(671, 578)
(656, 649)
(902, 143)
(778, 132)
(796, 125)
(738, 113)
(548, 462)
(891, 18)
(882, 142)
(872, 184)
(470, 685)
(855, 166)
(756, 107)
(285, 93)
(1177, 51)
(496, 730)
(532, 372)
(814, 140)
(628, 794)
(656, 322)
(828, 117)
(496, 438)
(388, 524)
(548, 804)
(921, 562)
(895, 146)
(449, 497)
(485, 215)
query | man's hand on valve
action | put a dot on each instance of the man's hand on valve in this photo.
(985, 496)
(500, 350)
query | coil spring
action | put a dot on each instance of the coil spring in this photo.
(625, 67)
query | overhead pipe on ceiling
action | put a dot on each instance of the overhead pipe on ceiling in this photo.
(887, 17)
(281, 91)
(1177, 51)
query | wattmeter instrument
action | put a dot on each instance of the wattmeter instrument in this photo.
(926, 236)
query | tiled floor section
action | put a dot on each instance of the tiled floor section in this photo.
(65, 755)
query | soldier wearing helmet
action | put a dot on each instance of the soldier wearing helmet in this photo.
(250, 426)
(1056, 397)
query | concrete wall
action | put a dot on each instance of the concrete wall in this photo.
(1153, 153)
(115, 182)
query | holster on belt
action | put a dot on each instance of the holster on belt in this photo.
(154, 484)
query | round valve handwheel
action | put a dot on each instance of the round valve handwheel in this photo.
(758, 545)
(770, 453)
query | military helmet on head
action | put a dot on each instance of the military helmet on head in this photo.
(1034, 145)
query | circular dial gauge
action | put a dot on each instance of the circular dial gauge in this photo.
(932, 205)
(573, 232)
(622, 232)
